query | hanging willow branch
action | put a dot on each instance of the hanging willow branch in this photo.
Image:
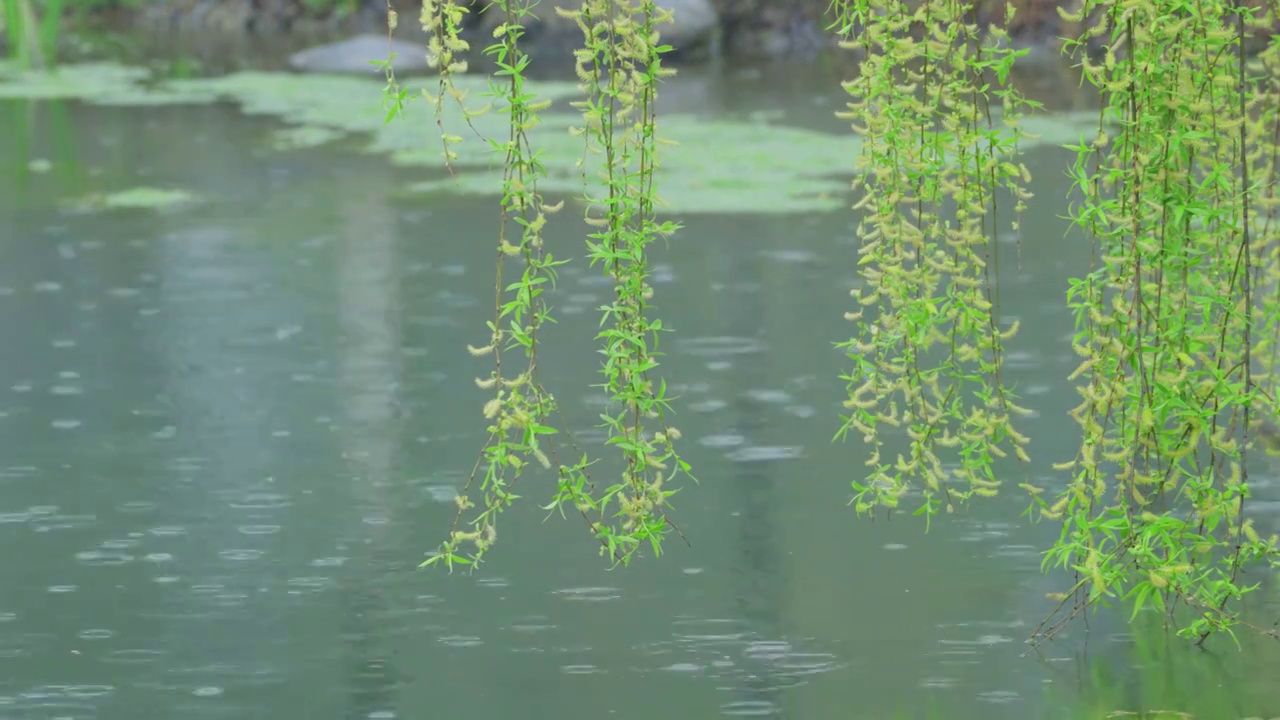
(519, 411)
(1154, 512)
(446, 51)
(928, 349)
(619, 67)
(1263, 142)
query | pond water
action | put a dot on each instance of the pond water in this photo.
(231, 427)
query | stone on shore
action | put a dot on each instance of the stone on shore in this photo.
(694, 22)
(354, 56)
(693, 25)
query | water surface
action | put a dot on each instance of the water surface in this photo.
(230, 430)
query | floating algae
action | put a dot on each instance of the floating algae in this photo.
(677, 194)
(88, 81)
(138, 198)
(714, 166)
(306, 136)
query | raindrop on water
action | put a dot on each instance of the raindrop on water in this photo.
(209, 691)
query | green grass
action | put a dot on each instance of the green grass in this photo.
(31, 35)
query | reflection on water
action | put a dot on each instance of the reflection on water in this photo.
(369, 375)
(759, 572)
(228, 434)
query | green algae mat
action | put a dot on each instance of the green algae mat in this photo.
(714, 166)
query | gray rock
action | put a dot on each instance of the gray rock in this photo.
(694, 23)
(353, 56)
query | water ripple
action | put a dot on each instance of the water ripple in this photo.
(721, 441)
(63, 522)
(750, 708)
(87, 691)
(313, 583)
(207, 691)
(258, 529)
(790, 256)
(708, 406)
(724, 650)
(136, 656)
(999, 696)
(261, 501)
(460, 640)
(94, 558)
(719, 346)
(530, 629)
(240, 555)
(589, 594)
(769, 397)
(764, 453)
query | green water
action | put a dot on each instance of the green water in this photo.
(231, 427)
